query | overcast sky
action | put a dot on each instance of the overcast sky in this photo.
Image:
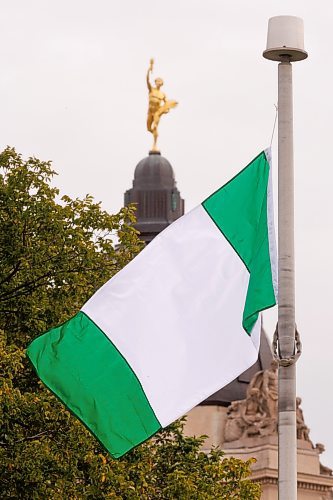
(72, 90)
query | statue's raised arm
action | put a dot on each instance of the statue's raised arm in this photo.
(158, 105)
(150, 70)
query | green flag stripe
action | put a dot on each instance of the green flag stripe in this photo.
(239, 210)
(82, 367)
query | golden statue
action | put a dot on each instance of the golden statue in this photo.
(158, 105)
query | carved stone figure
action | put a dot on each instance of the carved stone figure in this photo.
(325, 471)
(251, 416)
(256, 415)
(158, 105)
(235, 425)
(267, 383)
(302, 430)
(251, 412)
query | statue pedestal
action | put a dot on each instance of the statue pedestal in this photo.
(312, 483)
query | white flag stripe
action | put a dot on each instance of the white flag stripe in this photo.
(180, 303)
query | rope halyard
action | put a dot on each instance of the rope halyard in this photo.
(273, 131)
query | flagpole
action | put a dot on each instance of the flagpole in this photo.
(285, 45)
(286, 305)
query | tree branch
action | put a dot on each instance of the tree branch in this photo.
(12, 273)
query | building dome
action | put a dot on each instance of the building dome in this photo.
(156, 196)
(154, 172)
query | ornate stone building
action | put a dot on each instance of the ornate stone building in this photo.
(251, 430)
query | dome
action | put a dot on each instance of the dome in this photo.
(154, 172)
(155, 194)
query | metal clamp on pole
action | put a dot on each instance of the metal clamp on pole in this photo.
(276, 351)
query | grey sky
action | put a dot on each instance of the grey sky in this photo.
(72, 89)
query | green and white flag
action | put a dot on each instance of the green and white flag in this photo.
(179, 322)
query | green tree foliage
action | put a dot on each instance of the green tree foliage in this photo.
(55, 252)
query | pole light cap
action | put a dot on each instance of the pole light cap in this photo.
(285, 38)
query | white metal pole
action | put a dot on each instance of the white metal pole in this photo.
(286, 307)
(285, 44)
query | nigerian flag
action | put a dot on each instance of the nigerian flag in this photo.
(179, 322)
